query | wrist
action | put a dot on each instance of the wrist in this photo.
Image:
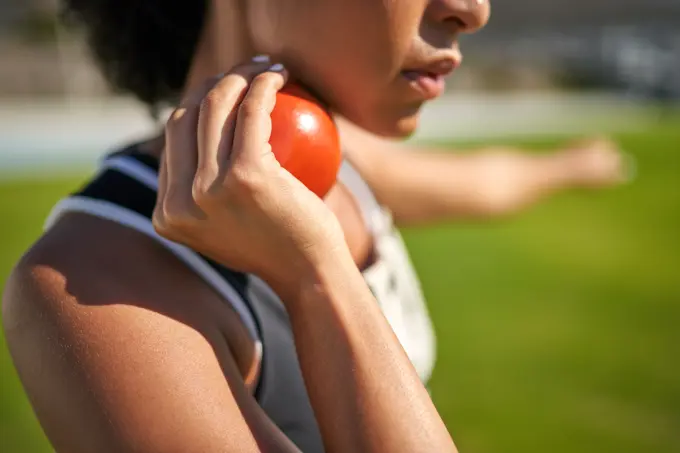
(328, 267)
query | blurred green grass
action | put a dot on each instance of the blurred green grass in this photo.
(558, 328)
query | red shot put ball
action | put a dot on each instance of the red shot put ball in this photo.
(305, 139)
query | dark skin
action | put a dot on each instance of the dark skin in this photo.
(106, 317)
(114, 359)
(108, 320)
(102, 289)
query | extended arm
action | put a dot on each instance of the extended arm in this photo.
(423, 185)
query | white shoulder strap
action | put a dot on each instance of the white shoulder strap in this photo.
(371, 210)
(130, 219)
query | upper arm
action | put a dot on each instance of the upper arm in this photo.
(112, 366)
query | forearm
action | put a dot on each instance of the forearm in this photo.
(487, 183)
(422, 186)
(365, 393)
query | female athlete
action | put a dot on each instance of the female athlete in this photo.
(193, 296)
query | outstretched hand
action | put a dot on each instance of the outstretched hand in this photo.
(599, 162)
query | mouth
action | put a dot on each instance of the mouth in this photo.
(430, 78)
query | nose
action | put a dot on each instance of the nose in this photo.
(465, 16)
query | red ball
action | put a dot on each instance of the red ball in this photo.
(305, 139)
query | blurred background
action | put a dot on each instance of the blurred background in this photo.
(558, 327)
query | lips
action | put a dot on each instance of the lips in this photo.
(429, 79)
(430, 85)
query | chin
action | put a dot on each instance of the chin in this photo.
(406, 127)
(397, 128)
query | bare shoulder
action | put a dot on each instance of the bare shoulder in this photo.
(118, 344)
(86, 262)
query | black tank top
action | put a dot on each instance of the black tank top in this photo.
(124, 192)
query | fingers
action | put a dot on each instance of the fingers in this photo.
(158, 214)
(253, 123)
(217, 118)
(180, 157)
(200, 133)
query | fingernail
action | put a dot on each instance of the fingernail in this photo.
(261, 59)
(221, 75)
(277, 67)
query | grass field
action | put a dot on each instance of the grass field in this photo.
(559, 329)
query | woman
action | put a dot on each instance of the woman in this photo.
(194, 296)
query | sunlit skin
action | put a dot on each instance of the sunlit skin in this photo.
(148, 358)
(359, 75)
(361, 78)
(358, 70)
(121, 347)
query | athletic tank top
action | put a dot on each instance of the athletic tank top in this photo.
(124, 191)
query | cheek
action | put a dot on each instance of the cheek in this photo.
(350, 51)
(366, 38)
(405, 19)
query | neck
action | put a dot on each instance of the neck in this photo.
(225, 42)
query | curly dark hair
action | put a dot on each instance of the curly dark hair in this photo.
(143, 47)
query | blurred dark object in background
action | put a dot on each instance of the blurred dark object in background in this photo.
(631, 46)
(638, 60)
(626, 46)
